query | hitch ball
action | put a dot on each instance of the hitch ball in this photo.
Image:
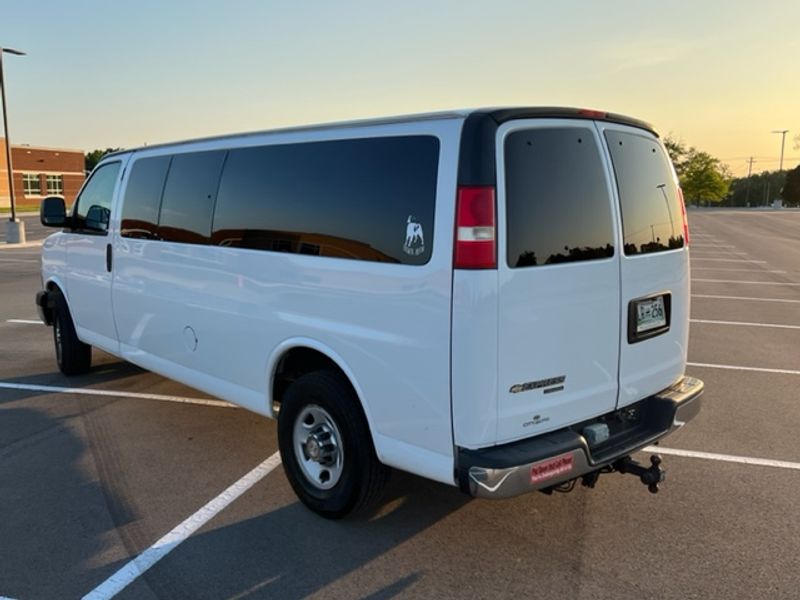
(651, 476)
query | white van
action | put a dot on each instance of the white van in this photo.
(494, 299)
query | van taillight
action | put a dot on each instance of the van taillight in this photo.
(685, 219)
(476, 229)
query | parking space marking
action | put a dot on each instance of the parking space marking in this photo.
(740, 368)
(54, 389)
(744, 460)
(137, 566)
(736, 260)
(746, 298)
(744, 324)
(746, 282)
(24, 322)
(737, 270)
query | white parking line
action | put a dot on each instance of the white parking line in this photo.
(744, 460)
(744, 324)
(739, 368)
(746, 298)
(746, 282)
(737, 270)
(736, 260)
(24, 322)
(54, 389)
(136, 567)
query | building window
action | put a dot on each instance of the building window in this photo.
(31, 184)
(55, 184)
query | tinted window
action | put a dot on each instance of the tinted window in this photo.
(97, 193)
(143, 197)
(369, 199)
(651, 211)
(557, 204)
(189, 197)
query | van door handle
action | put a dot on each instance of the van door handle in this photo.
(108, 258)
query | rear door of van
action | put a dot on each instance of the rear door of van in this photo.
(559, 277)
(654, 268)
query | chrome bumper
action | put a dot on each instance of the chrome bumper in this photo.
(560, 456)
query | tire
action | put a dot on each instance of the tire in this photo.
(326, 447)
(72, 355)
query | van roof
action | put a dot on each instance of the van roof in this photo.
(489, 116)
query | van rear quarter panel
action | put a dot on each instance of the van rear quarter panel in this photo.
(388, 323)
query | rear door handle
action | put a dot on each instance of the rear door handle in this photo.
(108, 257)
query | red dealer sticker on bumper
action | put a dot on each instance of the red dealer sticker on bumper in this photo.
(548, 469)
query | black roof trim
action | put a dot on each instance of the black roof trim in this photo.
(476, 161)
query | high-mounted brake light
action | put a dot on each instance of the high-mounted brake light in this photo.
(593, 114)
(475, 246)
(685, 219)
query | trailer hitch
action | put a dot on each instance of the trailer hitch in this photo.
(650, 476)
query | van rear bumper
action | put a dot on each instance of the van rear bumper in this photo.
(560, 456)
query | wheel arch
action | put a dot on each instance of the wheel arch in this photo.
(296, 357)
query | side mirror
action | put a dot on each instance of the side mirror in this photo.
(52, 212)
(97, 218)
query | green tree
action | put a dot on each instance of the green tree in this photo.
(791, 189)
(677, 150)
(757, 190)
(704, 178)
(95, 156)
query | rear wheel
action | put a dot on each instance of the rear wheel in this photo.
(73, 356)
(326, 446)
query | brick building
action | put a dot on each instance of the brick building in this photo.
(40, 172)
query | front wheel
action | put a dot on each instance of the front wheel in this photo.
(72, 355)
(326, 446)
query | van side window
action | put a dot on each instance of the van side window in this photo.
(95, 198)
(189, 195)
(651, 209)
(143, 198)
(557, 205)
(367, 199)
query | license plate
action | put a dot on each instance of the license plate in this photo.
(650, 314)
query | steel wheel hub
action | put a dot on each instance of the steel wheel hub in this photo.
(317, 447)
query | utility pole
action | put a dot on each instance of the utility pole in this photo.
(15, 229)
(749, 183)
(783, 133)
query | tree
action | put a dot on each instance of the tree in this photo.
(704, 178)
(677, 151)
(757, 190)
(95, 156)
(791, 189)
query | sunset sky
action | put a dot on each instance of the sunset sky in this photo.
(720, 75)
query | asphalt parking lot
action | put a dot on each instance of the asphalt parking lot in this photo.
(104, 475)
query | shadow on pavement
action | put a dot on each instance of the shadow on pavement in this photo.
(292, 553)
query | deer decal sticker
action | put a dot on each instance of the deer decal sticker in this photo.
(415, 241)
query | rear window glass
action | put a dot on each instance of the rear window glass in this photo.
(143, 198)
(368, 199)
(189, 195)
(651, 210)
(557, 204)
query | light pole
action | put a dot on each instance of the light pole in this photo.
(783, 133)
(15, 229)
